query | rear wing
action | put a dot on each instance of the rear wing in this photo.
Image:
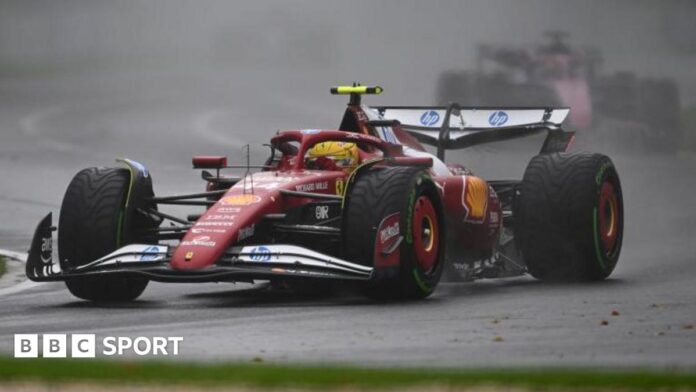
(455, 127)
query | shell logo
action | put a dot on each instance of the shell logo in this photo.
(474, 198)
(240, 200)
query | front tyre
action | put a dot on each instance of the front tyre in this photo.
(91, 226)
(569, 217)
(409, 197)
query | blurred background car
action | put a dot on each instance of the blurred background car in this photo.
(555, 73)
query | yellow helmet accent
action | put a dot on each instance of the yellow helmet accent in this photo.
(344, 154)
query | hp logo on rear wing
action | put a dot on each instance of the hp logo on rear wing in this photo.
(498, 118)
(429, 118)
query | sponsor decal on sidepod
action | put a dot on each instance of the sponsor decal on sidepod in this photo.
(389, 232)
(321, 212)
(313, 186)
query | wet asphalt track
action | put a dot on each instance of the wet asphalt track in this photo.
(52, 127)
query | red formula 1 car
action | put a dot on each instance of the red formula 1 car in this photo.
(364, 203)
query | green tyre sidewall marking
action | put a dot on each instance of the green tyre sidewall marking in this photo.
(600, 258)
(600, 174)
(422, 285)
(122, 213)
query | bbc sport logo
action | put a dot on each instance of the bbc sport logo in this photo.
(85, 345)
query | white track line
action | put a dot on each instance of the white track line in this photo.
(19, 287)
(19, 256)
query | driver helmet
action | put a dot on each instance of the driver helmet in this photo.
(343, 154)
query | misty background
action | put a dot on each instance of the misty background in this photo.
(403, 45)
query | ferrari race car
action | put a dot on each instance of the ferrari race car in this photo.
(365, 204)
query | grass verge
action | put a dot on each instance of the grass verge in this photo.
(325, 377)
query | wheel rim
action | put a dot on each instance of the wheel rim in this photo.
(608, 216)
(425, 233)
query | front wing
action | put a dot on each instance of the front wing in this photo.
(239, 263)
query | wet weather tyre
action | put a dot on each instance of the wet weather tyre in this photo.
(569, 217)
(91, 226)
(374, 197)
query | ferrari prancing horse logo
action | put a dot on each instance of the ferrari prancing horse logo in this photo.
(340, 186)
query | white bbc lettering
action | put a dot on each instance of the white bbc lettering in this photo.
(26, 346)
(55, 345)
(83, 345)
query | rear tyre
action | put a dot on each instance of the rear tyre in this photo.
(569, 217)
(381, 193)
(90, 226)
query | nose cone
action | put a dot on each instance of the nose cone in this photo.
(232, 219)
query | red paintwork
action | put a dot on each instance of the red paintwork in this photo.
(481, 235)
(232, 218)
(411, 161)
(231, 215)
(426, 254)
(209, 162)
